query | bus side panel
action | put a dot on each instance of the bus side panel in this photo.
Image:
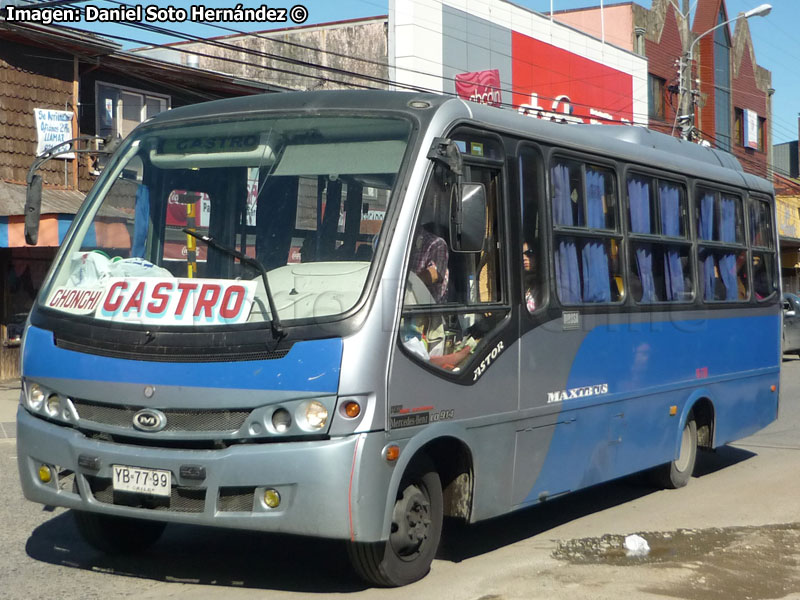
(615, 416)
(744, 406)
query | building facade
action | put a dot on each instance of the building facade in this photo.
(346, 54)
(787, 195)
(732, 103)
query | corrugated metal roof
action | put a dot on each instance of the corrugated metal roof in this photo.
(12, 200)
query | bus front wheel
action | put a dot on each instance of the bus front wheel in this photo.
(117, 535)
(677, 473)
(415, 533)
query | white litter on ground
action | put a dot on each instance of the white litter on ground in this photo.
(636, 545)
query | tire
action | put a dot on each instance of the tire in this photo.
(414, 539)
(117, 535)
(676, 474)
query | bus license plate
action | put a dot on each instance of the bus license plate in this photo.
(142, 481)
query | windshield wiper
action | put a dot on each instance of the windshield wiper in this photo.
(277, 327)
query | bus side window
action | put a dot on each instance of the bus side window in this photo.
(721, 267)
(763, 261)
(532, 254)
(586, 233)
(659, 266)
(440, 278)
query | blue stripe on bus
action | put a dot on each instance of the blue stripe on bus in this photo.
(635, 356)
(648, 368)
(310, 366)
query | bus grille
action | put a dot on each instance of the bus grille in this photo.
(177, 420)
(236, 499)
(66, 480)
(183, 499)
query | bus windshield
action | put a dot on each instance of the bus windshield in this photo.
(305, 196)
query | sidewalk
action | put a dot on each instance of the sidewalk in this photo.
(9, 398)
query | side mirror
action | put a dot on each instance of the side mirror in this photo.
(33, 209)
(468, 221)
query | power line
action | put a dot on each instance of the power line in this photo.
(383, 81)
(380, 80)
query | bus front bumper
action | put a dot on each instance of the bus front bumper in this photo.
(312, 479)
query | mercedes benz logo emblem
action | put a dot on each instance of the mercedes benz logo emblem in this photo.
(149, 419)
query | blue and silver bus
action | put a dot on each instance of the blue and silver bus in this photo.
(351, 314)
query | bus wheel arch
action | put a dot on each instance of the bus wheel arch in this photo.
(416, 528)
(453, 461)
(697, 431)
(436, 482)
(704, 415)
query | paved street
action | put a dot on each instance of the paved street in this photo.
(732, 533)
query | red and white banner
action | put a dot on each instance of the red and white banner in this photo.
(158, 301)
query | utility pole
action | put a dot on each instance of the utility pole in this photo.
(685, 116)
(687, 102)
(685, 112)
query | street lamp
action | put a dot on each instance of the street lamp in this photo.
(686, 105)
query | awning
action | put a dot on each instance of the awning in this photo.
(53, 228)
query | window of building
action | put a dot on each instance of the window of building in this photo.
(655, 96)
(722, 85)
(762, 134)
(586, 233)
(660, 269)
(119, 109)
(738, 126)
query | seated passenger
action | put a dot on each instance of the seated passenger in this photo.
(428, 260)
(529, 277)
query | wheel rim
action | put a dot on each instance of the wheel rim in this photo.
(686, 450)
(411, 522)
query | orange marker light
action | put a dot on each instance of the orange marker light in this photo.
(392, 453)
(352, 409)
(673, 410)
(773, 388)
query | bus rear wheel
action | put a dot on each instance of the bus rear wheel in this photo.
(414, 538)
(117, 535)
(676, 474)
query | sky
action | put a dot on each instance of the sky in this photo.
(774, 36)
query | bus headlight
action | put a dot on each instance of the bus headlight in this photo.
(281, 420)
(35, 397)
(53, 405)
(314, 415)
